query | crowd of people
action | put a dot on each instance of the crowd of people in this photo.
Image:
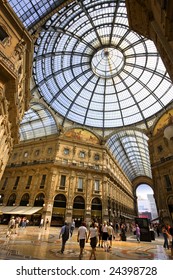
(15, 223)
(102, 235)
(22, 222)
(98, 234)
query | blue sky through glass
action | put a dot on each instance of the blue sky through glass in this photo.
(143, 190)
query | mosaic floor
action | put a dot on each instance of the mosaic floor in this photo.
(33, 243)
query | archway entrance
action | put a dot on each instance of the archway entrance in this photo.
(11, 200)
(39, 202)
(146, 202)
(96, 209)
(78, 210)
(59, 208)
(24, 200)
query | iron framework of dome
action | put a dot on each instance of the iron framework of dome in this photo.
(37, 122)
(92, 69)
(130, 148)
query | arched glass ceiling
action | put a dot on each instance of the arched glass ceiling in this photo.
(130, 148)
(37, 122)
(31, 12)
(92, 69)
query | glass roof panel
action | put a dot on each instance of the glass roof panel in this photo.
(30, 12)
(37, 122)
(130, 148)
(91, 68)
(88, 51)
(86, 46)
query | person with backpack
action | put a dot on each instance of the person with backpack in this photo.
(64, 233)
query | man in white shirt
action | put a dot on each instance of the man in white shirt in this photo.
(81, 238)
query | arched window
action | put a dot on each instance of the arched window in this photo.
(60, 201)
(96, 204)
(24, 200)
(11, 200)
(39, 200)
(79, 203)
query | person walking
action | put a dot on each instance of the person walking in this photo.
(72, 228)
(93, 235)
(122, 232)
(17, 223)
(117, 228)
(11, 227)
(165, 236)
(81, 238)
(105, 236)
(100, 233)
(171, 243)
(41, 223)
(23, 222)
(46, 223)
(158, 230)
(138, 233)
(64, 233)
(111, 234)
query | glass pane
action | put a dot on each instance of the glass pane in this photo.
(90, 81)
(130, 148)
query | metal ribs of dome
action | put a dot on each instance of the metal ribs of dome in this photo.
(92, 69)
(125, 89)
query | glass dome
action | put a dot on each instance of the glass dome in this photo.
(92, 69)
(107, 62)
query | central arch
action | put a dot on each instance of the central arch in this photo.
(59, 208)
(96, 209)
(78, 210)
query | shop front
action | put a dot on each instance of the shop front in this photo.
(32, 214)
(58, 216)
